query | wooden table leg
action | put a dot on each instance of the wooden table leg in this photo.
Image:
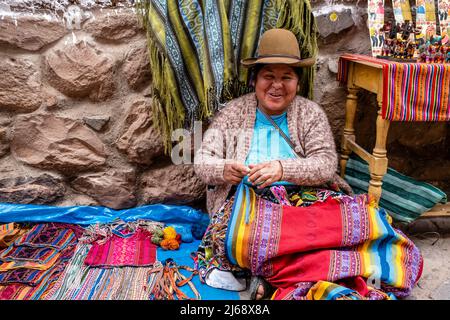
(349, 130)
(378, 167)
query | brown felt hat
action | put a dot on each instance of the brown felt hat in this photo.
(278, 46)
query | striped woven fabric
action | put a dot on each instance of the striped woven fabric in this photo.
(333, 240)
(24, 292)
(30, 258)
(195, 48)
(81, 282)
(325, 290)
(411, 91)
(403, 197)
(9, 232)
(33, 263)
(46, 235)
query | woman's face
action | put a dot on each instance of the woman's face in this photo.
(276, 87)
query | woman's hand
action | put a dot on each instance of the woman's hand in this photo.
(234, 172)
(266, 173)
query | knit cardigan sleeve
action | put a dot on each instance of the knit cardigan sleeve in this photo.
(319, 163)
(210, 158)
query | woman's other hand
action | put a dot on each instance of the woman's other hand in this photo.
(234, 172)
(266, 173)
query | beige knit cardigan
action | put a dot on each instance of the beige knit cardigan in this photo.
(229, 136)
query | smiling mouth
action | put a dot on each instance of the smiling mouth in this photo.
(275, 95)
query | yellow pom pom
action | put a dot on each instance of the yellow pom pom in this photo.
(169, 233)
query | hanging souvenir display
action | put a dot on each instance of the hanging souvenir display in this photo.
(409, 41)
(399, 35)
(434, 46)
(402, 11)
(376, 22)
(426, 18)
(444, 19)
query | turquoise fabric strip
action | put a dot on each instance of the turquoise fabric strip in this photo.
(268, 144)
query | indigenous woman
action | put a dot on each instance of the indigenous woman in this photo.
(279, 212)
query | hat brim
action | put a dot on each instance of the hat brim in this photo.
(302, 63)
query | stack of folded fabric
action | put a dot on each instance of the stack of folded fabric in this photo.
(33, 262)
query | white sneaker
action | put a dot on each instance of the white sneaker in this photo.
(225, 280)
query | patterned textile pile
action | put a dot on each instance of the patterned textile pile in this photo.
(34, 261)
(115, 261)
(312, 244)
(412, 91)
(112, 262)
(195, 48)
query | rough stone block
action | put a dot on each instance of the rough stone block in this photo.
(57, 143)
(20, 87)
(38, 190)
(334, 22)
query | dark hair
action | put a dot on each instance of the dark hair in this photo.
(257, 68)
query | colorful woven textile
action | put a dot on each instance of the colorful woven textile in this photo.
(211, 253)
(403, 197)
(195, 49)
(411, 91)
(47, 235)
(330, 241)
(37, 256)
(136, 250)
(9, 232)
(28, 277)
(27, 257)
(81, 282)
(39, 291)
(325, 290)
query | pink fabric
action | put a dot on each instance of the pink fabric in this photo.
(137, 250)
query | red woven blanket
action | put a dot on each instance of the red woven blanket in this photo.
(136, 250)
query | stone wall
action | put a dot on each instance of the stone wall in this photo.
(75, 112)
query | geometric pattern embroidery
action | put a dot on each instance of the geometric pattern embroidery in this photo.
(344, 264)
(266, 236)
(355, 220)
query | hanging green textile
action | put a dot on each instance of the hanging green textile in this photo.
(195, 48)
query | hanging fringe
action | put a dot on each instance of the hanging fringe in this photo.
(167, 113)
(168, 110)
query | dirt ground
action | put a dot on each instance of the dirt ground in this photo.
(435, 281)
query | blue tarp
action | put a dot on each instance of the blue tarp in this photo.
(182, 218)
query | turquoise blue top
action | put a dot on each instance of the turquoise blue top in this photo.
(268, 144)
